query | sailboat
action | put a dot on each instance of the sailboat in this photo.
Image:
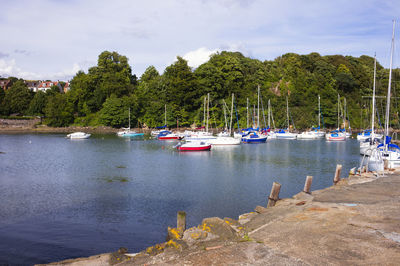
(226, 140)
(201, 135)
(315, 133)
(369, 140)
(347, 133)
(282, 134)
(161, 129)
(127, 132)
(336, 135)
(254, 136)
(389, 151)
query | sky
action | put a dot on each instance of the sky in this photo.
(53, 39)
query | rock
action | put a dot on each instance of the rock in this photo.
(174, 234)
(196, 234)
(218, 227)
(260, 209)
(244, 218)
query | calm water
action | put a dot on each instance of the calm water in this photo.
(63, 198)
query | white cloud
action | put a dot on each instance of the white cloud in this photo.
(199, 56)
(9, 68)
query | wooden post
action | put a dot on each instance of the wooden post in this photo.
(274, 196)
(307, 185)
(181, 221)
(336, 179)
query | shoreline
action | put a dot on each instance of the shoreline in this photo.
(353, 222)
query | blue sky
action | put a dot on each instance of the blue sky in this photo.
(53, 39)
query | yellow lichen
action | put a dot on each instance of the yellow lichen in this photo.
(149, 250)
(195, 236)
(172, 243)
(228, 222)
(206, 228)
(175, 233)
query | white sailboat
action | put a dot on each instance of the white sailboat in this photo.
(127, 132)
(390, 152)
(282, 134)
(369, 140)
(316, 133)
(336, 135)
(226, 140)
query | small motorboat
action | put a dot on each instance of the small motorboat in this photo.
(78, 135)
(194, 146)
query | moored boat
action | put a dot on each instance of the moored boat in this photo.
(168, 135)
(254, 137)
(194, 146)
(78, 135)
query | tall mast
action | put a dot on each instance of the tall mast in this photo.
(319, 112)
(204, 111)
(226, 123)
(165, 115)
(389, 86)
(208, 107)
(287, 113)
(129, 118)
(258, 107)
(373, 101)
(247, 122)
(269, 113)
(230, 124)
(338, 112)
(344, 113)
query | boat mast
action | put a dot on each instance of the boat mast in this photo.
(269, 113)
(344, 113)
(389, 86)
(204, 112)
(258, 107)
(319, 113)
(373, 101)
(230, 124)
(208, 111)
(129, 118)
(338, 112)
(247, 122)
(287, 113)
(226, 123)
(165, 116)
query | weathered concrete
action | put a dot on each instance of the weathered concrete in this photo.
(355, 222)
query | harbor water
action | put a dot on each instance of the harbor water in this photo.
(62, 198)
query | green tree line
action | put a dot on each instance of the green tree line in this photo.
(104, 94)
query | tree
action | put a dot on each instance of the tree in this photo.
(17, 98)
(59, 113)
(38, 104)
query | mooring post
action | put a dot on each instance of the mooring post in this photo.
(336, 179)
(307, 185)
(274, 196)
(181, 221)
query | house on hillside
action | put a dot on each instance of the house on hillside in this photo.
(66, 87)
(46, 85)
(5, 84)
(32, 84)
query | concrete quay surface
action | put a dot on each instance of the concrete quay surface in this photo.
(356, 222)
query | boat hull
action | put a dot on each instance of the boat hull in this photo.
(199, 148)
